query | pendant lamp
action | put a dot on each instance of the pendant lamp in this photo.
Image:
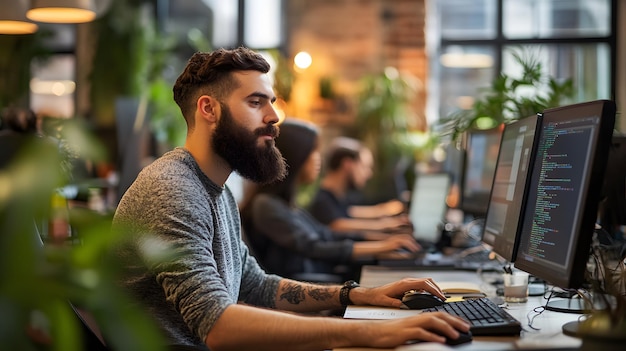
(13, 20)
(62, 11)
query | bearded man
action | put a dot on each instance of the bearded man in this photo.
(213, 294)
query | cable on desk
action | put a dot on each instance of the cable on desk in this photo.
(564, 293)
(537, 311)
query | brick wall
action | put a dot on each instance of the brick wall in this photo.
(349, 39)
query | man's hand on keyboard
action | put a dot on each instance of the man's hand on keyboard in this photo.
(433, 327)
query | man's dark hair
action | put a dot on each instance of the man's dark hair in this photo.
(210, 73)
(341, 149)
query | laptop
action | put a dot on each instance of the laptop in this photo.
(427, 213)
(427, 209)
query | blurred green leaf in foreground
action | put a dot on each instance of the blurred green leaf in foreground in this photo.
(38, 282)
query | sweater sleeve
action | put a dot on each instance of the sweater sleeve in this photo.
(257, 288)
(172, 206)
(297, 231)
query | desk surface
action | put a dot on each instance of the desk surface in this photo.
(545, 332)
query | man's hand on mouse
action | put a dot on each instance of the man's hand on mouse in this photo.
(390, 295)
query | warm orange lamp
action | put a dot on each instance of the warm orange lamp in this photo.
(62, 11)
(13, 20)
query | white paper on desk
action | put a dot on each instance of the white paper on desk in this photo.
(373, 312)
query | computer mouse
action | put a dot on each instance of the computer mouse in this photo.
(462, 339)
(420, 299)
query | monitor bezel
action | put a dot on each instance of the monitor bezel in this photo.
(573, 276)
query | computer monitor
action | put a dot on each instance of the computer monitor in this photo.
(453, 165)
(479, 167)
(508, 194)
(565, 185)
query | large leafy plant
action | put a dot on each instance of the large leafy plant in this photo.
(39, 281)
(509, 98)
(386, 124)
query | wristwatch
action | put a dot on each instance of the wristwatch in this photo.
(344, 293)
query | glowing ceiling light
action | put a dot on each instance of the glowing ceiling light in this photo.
(13, 20)
(303, 60)
(62, 11)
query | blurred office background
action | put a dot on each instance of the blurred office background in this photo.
(387, 71)
(115, 71)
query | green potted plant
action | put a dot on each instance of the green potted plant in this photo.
(503, 101)
(385, 123)
(39, 280)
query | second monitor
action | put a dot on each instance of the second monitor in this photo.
(508, 194)
(565, 186)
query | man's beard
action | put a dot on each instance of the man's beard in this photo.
(238, 146)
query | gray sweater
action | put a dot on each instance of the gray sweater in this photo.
(174, 201)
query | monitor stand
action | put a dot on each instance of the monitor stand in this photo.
(567, 306)
(578, 305)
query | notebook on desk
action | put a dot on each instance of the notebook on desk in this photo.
(459, 287)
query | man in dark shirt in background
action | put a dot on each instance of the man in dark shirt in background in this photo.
(349, 166)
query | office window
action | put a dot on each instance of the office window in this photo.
(224, 23)
(470, 42)
(468, 19)
(53, 79)
(52, 86)
(587, 64)
(463, 63)
(556, 18)
(262, 24)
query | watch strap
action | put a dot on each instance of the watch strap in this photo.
(344, 293)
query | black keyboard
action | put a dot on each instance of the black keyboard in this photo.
(485, 317)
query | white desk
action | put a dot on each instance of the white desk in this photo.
(549, 323)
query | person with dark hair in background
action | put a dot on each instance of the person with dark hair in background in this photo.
(18, 127)
(214, 293)
(286, 238)
(349, 167)
(19, 120)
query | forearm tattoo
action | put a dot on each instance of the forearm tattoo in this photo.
(296, 293)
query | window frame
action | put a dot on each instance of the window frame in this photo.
(499, 44)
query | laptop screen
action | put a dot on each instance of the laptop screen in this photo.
(428, 205)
